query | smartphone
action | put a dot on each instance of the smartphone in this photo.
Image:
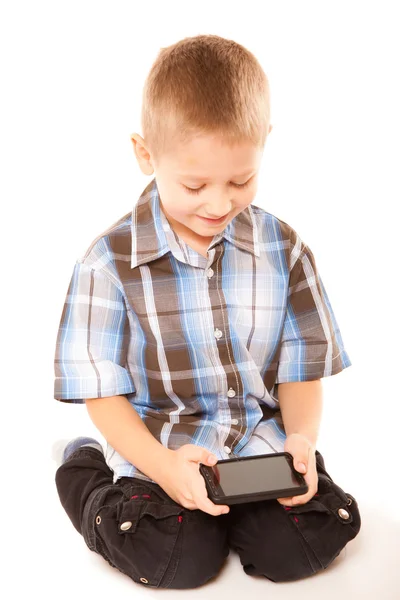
(253, 478)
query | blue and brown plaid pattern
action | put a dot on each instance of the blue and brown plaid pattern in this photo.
(197, 345)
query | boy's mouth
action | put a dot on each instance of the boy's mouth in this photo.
(214, 221)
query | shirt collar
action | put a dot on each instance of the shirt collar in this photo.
(149, 225)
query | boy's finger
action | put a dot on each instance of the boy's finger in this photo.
(285, 501)
(301, 499)
(199, 493)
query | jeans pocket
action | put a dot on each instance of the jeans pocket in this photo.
(139, 537)
(327, 522)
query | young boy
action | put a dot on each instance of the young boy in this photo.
(197, 328)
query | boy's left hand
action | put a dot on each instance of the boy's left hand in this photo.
(303, 452)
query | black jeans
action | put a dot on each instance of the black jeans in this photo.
(142, 532)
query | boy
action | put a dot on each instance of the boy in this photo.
(197, 328)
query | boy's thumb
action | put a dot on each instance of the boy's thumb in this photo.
(200, 455)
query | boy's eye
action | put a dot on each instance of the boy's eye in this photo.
(198, 190)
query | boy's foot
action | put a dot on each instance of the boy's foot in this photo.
(62, 449)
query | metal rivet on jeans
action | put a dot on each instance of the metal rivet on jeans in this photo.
(343, 513)
(143, 580)
(349, 501)
(98, 520)
(127, 525)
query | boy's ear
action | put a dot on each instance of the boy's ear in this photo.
(142, 154)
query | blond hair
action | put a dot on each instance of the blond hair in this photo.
(201, 85)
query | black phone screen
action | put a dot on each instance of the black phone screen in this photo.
(256, 475)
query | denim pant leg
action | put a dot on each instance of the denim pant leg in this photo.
(167, 545)
(84, 472)
(291, 543)
(137, 528)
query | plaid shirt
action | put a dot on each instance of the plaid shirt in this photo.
(197, 345)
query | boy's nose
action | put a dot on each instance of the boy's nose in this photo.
(218, 210)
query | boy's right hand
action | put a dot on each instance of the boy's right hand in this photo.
(182, 481)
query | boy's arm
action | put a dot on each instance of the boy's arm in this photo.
(301, 407)
(124, 430)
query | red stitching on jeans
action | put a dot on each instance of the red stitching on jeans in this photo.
(287, 507)
(180, 519)
(143, 495)
(296, 519)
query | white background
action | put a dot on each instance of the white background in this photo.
(71, 79)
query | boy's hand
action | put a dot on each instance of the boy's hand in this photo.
(303, 452)
(181, 479)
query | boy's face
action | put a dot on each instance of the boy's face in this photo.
(214, 171)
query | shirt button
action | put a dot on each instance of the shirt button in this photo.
(231, 392)
(227, 449)
(234, 421)
(217, 333)
(127, 525)
(210, 273)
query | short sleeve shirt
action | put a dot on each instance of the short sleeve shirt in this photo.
(197, 345)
